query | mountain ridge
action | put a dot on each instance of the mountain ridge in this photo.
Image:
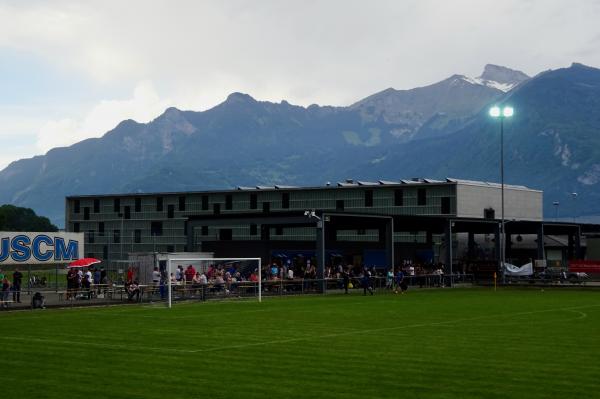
(243, 141)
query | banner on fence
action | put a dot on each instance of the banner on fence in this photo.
(39, 248)
(584, 266)
(512, 270)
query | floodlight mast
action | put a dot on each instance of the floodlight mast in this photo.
(497, 113)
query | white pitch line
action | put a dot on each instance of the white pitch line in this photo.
(289, 340)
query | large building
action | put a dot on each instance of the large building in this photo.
(378, 222)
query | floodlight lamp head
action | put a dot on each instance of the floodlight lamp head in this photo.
(508, 111)
(495, 111)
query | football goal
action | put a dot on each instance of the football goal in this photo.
(214, 275)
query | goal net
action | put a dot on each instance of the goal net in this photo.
(205, 278)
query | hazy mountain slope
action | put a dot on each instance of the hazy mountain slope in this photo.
(552, 143)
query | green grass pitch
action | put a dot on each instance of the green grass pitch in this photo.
(460, 343)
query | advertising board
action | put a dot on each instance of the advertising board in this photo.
(40, 248)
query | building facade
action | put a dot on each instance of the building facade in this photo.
(116, 225)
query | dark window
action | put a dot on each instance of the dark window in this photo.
(116, 205)
(96, 206)
(266, 207)
(76, 227)
(105, 252)
(253, 230)
(205, 202)
(156, 229)
(253, 201)
(204, 230)
(170, 211)
(137, 234)
(285, 200)
(182, 203)
(117, 236)
(138, 204)
(170, 248)
(86, 213)
(228, 202)
(217, 209)
(399, 197)
(76, 206)
(225, 234)
(159, 204)
(339, 205)
(127, 212)
(445, 205)
(369, 198)
(101, 229)
(489, 213)
(421, 196)
(91, 236)
(278, 231)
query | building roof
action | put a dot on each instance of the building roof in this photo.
(349, 183)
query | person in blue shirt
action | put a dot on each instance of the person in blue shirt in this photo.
(274, 270)
(400, 282)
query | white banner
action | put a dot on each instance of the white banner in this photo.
(40, 248)
(512, 270)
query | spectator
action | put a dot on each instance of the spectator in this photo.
(97, 276)
(38, 301)
(130, 274)
(196, 282)
(97, 279)
(133, 290)
(203, 285)
(389, 279)
(346, 279)
(86, 284)
(179, 274)
(103, 276)
(71, 283)
(219, 282)
(5, 292)
(17, 279)
(274, 270)
(366, 282)
(156, 279)
(79, 279)
(254, 277)
(190, 272)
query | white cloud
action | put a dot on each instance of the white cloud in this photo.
(327, 52)
(144, 106)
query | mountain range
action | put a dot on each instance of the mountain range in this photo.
(434, 131)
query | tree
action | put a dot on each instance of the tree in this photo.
(13, 218)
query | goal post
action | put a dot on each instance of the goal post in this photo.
(204, 265)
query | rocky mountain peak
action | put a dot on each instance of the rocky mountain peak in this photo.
(237, 97)
(504, 75)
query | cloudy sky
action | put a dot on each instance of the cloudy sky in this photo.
(71, 70)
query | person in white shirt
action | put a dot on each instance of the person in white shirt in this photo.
(156, 276)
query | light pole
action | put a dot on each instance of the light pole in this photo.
(574, 195)
(556, 204)
(502, 113)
